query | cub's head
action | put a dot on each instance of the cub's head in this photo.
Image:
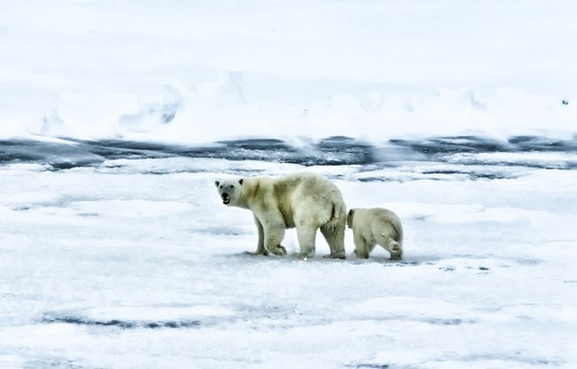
(350, 217)
(229, 190)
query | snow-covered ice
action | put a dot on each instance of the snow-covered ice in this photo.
(117, 266)
(116, 117)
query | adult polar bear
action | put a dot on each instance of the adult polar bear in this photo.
(304, 201)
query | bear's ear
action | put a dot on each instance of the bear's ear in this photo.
(241, 181)
(217, 183)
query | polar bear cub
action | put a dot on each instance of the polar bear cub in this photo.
(304, 201)
(376, 226)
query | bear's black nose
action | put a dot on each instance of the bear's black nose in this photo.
(225, 198)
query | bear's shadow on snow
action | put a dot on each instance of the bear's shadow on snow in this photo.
(385, 261)
(450, 263)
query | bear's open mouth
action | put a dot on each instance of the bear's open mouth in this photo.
(226, 201)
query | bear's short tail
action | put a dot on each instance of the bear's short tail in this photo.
(337, 212)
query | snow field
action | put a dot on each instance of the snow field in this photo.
(111, 267)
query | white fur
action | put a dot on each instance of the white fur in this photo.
(304, 201)
(376, 226)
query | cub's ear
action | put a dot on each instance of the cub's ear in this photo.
(217, 183)
(241, 181)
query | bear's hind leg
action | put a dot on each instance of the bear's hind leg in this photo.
(273, 239)
(396, 250)
(392, 246)
(306, 236)
(334, 234)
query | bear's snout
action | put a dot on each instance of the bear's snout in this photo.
(225, 198)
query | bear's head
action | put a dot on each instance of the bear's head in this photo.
(229, 190)
(350, 217)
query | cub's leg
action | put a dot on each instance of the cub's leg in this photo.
(362, 247)
(370, 248)
(392, 246)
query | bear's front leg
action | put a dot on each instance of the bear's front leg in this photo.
(260, 249)
(273, 236)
